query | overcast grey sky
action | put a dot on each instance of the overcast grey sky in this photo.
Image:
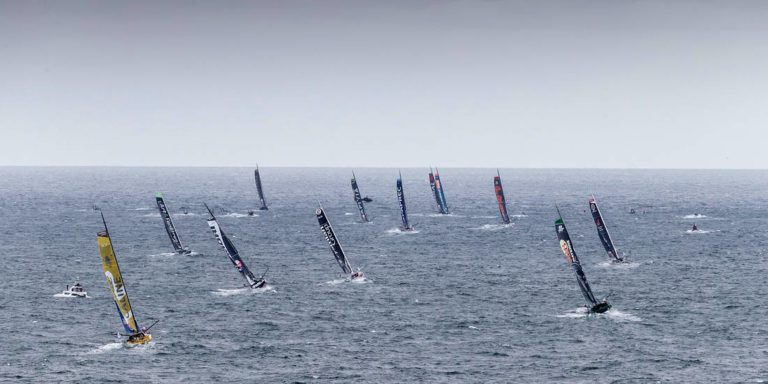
(618, 84)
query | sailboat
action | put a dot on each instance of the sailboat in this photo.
(401, 199)
(234, 256)
(500, 197)
(439, 187)
(136, 335)
(333, 242)
(358, 199)
(573, 260)
(435, 191)
(602, 232)
(259, 189)
(169, 227)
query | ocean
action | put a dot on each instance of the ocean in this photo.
(461, 299)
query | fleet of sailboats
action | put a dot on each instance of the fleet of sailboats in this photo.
(137, 335)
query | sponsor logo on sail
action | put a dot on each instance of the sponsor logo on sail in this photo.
(117, 289)
(566, 250)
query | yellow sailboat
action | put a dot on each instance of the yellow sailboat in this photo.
(136, 335)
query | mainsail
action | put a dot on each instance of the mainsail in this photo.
(401, 199)
(115, 280)
(358, 199)
(602, 231)
(333, 242)
(169, 227)
(439, 186)
(234, 256)
(500, 197)
(435, 192)
(570, 254)
(259, 189)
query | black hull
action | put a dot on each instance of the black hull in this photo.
(600, 308)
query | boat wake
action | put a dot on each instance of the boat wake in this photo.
(698, 231)
(519, 215)
(694, 216)
(68, 296)
(235, 214)
(105, 348)
(151, 215)
(398, 230)
(613, 314)
(230, 292)
(164, 254)
(359, 280)
(622, 265)
(495, 227)
(142, 209)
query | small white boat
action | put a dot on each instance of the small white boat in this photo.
(75, 291)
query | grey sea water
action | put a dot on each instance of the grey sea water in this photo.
(464, 299)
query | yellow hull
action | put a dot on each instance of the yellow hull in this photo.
(139, 340)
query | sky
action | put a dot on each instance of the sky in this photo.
(510, 84)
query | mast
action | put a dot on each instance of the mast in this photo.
(115, 280)
(259, 189)
(602, 231)
(358, 198)
(169, 227)
(333, 242)
(232, 253)
(401, 199)
(573, 260)
(500, 197)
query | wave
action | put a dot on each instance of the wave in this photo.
(230, 292)
(694, 216)
(348, 213)
(143, 209)
(521, 215)
(156, 214)
(627, 264)
(182, 214)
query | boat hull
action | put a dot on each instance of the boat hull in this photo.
(139, 340)
(600, 308)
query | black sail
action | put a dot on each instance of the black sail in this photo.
(333, 242)
(169, 227)
(403, 210)
(234, 256)
(602, 231)
(570, 254)
(358, 199)
(260, 190)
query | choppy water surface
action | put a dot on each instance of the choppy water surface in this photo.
(464, 299)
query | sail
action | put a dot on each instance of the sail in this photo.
(602, 230)
(401, 199)
(260, 190)
(435, 191)
(358, 199)
(115, 281)
(169, 227)
(570, 254)
(333, 242)
(500, 198)
(439, 186)
(234, 256)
